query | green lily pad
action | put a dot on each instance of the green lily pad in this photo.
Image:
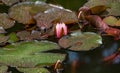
(12, 38)
(5, 21)
(29, 54)
(78, 41)
(110, 20)
(3, 69)
(33, 70)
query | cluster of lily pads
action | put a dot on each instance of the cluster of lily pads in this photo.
(27, 27)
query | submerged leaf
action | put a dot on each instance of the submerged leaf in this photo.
(81, 41)
(29, 54)
(5, 21)
(33, 70)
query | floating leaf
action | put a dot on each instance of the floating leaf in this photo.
(117, 23)
(55, 15)
(110, 20)
(3, 38)
(98, 9)
(3, 69)
(113, 4)
(2, 30)
(46, 13)
(29, 54)
(81, 41)
(115, 9)
(5, 21)
(33, 70)
(24, 12)
(10, 2)
(12, 38)
(26, 35)
(93, 3)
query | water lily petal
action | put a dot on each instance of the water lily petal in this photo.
(64, 27)
(58, 30)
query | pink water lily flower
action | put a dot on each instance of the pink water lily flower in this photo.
(61, 29)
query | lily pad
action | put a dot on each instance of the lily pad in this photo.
(113, 4)
(24, 12)
(33, 70)
(110, 20)
(26, 35)
(10, 2)
(55, 15)
(3, 69)
(12, 38)
(78, 41)
(29, 54)
(117, 23)
(3, 38)
(2, 30)
(5, 21)
(23, 35)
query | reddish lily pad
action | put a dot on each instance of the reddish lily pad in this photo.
(3, 38)
(5, 21)
(81, 41)
(26, 35)
(24, 12)
(110, 20)
(2, 30)
(45, 14)
(55, 15)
